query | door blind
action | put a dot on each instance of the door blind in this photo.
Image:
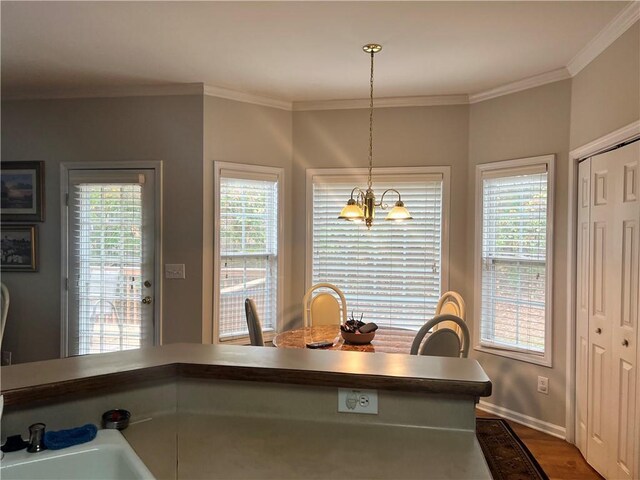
(514, 260)
(106, 256)
(248, 252)
(392, 273)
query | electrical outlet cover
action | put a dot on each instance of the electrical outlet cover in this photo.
(358, 401)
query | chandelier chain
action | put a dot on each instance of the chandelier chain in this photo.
(371, 122)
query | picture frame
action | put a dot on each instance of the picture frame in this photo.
(19, 248)
(22, 192)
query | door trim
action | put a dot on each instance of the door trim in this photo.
(626, 133)
(65, 167)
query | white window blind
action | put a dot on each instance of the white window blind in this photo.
(514, 250)
(106, 256)
(248, 239)
(391, 273)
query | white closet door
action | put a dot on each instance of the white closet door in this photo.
(613, 302)
(582, 303)
(626, 215)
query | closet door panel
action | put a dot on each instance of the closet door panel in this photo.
(601, 305)
(582, 303)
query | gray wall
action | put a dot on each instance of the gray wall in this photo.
(98, 130)
(606, 93)
(409, 137)
(525, 124)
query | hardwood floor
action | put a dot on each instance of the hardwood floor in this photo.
(559, 459)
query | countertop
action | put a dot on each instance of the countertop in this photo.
(34, 382)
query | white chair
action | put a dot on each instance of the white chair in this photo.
(442, 342)
(323, 308)
(451, 303)
(253, 322)
(4, 308)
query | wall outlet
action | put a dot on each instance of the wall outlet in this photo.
(543, 385)
(358, 401)
(174, 270)
(6, 358)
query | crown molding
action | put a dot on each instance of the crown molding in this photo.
(388, 102)
(108, 92)
(220, 92)
(609, 34)
(524, 84)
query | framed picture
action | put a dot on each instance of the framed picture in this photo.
(19, 248)
(22, 192)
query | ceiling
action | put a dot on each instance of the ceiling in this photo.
(293, 51)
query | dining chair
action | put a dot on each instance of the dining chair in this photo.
(442, 342)
(253, 322)
(452, 303)
(4, 308)
(323, 308)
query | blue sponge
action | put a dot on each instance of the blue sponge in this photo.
(70, 437)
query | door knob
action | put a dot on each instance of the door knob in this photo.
(625, 343)
(598, 331)
(146, 300)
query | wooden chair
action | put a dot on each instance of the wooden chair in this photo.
(451, 303)
(4, 308)
(253, 322)
(324, 308)
(442, 342)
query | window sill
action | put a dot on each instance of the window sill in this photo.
(523, 357)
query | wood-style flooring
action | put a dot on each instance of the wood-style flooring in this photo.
(559, 459)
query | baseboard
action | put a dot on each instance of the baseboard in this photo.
(536, 424)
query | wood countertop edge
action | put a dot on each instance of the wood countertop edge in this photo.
(38, 394)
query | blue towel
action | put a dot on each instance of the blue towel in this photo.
(70, 437)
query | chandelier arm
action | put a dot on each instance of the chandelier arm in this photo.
(360, 197)
(384, 206)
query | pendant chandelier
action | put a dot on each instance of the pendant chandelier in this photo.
(362, 207)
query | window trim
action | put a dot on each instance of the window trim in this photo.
(444, 171)
(248, 169)
(491, 169)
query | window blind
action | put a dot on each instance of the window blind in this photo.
(392, 273)
(514, 260)
(248, 237)
(107, 222)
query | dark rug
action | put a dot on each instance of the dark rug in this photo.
(508, 458)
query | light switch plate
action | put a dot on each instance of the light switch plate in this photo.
(358, 401)
(174, 270)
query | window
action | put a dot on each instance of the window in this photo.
(394, 273)
(247, 248)
(513, 253)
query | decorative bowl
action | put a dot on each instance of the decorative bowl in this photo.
(358, 338)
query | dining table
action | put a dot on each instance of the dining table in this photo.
(386, 340)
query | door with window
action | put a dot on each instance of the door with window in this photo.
(109, 237)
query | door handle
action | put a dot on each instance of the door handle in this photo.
(146, 300)
(625, 343)
(598, 331)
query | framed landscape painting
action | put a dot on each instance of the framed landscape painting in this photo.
(19, 248)
(22, 192)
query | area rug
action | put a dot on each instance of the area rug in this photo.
(508, 458)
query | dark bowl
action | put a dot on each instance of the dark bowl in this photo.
(358, 338)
